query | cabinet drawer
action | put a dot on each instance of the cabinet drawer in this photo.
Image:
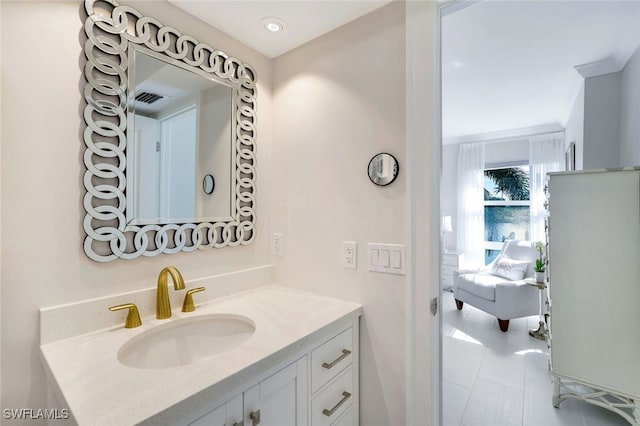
(450, 259)
(448, 269)
(330, 358)
(328, 406)
(447, 281)
(346, 419)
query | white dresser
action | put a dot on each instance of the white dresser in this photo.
(594, 247)
(450, 263)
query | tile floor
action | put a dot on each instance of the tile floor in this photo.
(492, 378)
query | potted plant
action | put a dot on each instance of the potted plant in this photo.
(539, 268)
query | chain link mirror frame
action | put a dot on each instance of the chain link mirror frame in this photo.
(111, 31)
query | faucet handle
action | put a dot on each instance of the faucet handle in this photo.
(187, 305)
(133, 317)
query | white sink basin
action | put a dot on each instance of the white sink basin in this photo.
(186, 341)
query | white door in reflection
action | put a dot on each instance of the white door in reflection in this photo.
(147, 167)
(178, 142)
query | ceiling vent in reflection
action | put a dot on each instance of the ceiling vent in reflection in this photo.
(148, 98)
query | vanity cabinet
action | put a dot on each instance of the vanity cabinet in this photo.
(281, 399)
(319, 388)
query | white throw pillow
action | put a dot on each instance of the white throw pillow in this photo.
(510, 269)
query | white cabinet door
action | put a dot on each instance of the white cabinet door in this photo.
(280, 400)
(229, 414)
(213, 418)
(234, 412)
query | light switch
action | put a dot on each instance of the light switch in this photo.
(384, 258)
(387, 258)
(396, 259)
(374, 257)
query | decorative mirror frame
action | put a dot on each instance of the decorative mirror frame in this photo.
(110, 35)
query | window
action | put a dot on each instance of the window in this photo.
(506, 207)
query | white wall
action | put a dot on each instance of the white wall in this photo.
(611, 110)
(339, 100)
(43, 263)
(629, 122)
(214, 152)
(602, 121)
(516, 150)
(574, 129)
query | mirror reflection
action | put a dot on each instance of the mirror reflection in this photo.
(181, 133)
(383, 169)
(208, 184)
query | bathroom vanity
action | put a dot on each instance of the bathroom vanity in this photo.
(297, 366)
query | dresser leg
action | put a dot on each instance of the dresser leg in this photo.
(459, 304)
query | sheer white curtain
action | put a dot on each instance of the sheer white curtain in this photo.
(471, 204)
(546, 154)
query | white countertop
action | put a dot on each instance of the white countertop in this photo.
(99, 390)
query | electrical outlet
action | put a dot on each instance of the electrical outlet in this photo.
(277, 244)
(349, 254)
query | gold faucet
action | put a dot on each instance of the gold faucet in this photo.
(163, 306)
(188, 305)
(133, 317)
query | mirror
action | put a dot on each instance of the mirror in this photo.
(383, 169)
(164, 114)
(179, 128)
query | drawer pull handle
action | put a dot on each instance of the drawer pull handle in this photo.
(345, 353)
(345, 395)
(239, 423)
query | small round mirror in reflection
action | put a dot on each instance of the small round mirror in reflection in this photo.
(383, 169)
(208, 184)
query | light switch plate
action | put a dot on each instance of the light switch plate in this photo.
(387, 258)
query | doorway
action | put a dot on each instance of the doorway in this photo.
(490, 377)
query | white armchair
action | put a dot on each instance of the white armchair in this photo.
(499, 288)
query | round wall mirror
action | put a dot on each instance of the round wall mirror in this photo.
(383, 169)
(208, 184)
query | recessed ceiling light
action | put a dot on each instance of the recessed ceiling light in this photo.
(272, 24)
(274, 27)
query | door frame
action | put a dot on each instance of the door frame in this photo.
(424, 136)
(423, 90)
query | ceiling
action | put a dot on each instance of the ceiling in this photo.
(303, 20)
(511, 64)
(505, 64)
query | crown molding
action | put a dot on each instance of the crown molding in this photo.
(603, 66)
(506, 135)
(447, 7)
